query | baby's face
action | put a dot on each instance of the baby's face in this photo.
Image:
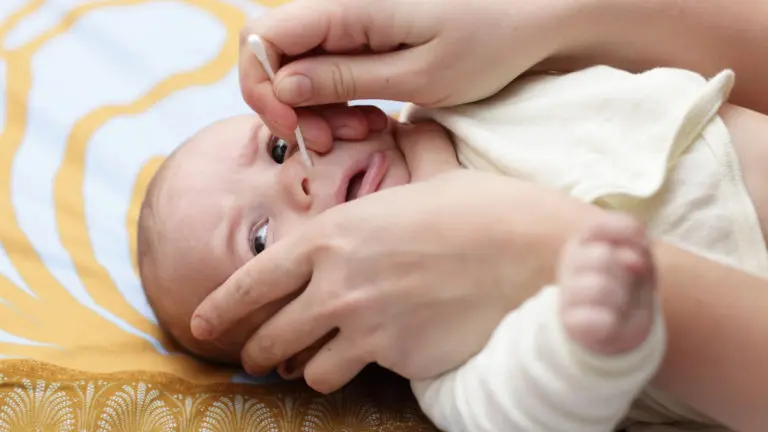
(234, 189)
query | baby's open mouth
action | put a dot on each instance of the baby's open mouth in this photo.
(355, 184)
(368, 179)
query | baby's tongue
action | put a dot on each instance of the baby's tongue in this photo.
(355, 183)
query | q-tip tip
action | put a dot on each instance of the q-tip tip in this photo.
(258, 48)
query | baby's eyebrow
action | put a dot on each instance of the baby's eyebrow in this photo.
(252, 148)
(229, 228)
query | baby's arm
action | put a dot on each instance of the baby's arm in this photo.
(572, 358)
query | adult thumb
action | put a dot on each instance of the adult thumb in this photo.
(324, 79)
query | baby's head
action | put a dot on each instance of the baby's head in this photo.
(229, 192)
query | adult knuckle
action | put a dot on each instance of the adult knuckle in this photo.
(328, 235)
(345, 303)
(258, 353)
(319, 232)
(375, 336)
(320, 237)
(421, 80)
(267, 346)
(330, 306)
(343, 81)
(241, 290)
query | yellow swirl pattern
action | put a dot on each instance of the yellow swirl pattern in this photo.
(91, 359)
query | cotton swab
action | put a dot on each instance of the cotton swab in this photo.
(258, 48)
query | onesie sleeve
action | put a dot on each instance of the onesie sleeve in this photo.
(531, 377)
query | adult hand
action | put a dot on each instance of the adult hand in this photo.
(414, 278)
(429, 52)
(320, 125)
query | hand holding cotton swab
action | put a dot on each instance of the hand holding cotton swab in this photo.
(258, 48)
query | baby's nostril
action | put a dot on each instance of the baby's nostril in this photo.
(305, 186)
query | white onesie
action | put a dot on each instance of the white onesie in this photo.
(650, 144)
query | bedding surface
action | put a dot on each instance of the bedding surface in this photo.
(94, 94)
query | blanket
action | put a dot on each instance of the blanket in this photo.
(95, 93)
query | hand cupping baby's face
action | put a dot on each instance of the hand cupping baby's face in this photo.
(232, 190)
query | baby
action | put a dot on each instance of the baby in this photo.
(578, 353)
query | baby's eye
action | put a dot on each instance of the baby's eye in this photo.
(278, 149)
(258, 239)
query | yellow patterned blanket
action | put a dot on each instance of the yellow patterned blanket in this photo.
(94, 94)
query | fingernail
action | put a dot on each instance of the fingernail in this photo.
(254, 371)
(294, 90)
(345, 133)
(200, 328)
(278, 128)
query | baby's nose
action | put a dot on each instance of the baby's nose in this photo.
(295, 183)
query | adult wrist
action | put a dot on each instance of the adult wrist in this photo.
(576, 28)
(534, 223)
(603, 32)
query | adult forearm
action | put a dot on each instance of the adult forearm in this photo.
(717, 324)
(704, 36)
(718, 339)
(716, 315)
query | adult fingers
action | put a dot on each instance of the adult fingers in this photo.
(345, 26)
(256, 89)
(334, 365)
(316, 131)
(323, 124)
(345, 122)
(427, 149)
(377, 119)
(397, 75)
(295, 29)
(294, 328)
(307, 30)
(294, 367)
(279, 271)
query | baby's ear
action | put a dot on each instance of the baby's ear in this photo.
(427, 148)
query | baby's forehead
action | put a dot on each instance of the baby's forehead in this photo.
(202, 176)
(219, 142)
(230, 128)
